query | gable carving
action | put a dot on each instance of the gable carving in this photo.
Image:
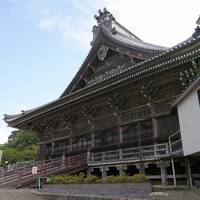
(102, 52)
(112, 64)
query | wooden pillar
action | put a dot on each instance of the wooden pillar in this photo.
(89, 171)
(173, 171)
(188, 171)
(163, 175)
(103, 171)
(120, 134)
(154, 122)
(92, 140)
(42, 150)
(155, 127)
(163, 171)
(63, 160)
(52, 145)
(70, 142)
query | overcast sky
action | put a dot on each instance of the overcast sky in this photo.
(44, 42)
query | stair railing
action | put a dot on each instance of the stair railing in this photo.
(175, 144)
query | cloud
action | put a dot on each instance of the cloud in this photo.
(5, 132)
(47, 24)
(12, 108)
(79, 36)
(159, 22)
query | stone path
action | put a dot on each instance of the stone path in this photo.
(12, 194)
(193, 194)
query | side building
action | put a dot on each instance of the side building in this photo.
(118, 106)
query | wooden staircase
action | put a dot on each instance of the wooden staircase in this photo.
(24, 178)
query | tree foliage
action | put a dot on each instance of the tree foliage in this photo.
(21, 146)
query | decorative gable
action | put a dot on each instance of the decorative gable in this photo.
(114, 48)
(106, 63)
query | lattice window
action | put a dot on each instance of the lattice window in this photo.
(107, 137)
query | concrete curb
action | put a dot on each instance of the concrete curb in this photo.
(62, 196)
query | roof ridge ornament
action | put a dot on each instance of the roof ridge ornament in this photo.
(104, 18)
(197, 29)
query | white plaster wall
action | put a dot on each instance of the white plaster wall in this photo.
(189, 118)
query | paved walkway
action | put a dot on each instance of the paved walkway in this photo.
(27, 194)
(12, 194)
(193, 194)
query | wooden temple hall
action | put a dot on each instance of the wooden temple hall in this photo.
(118, 113)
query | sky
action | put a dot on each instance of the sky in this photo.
(44, 42)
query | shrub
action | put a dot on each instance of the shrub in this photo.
(116, 179)
(81, 178)
(122, 179)
(110, 179)
(72, 179)
(99, 181)
(91, 179)
(138, 178)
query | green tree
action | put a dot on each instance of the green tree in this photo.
(21, 139)
(21, 146)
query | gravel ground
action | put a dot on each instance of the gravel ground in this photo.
(141, 190)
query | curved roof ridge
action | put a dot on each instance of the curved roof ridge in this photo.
(133, 42)
(107, 25)
(125, 29)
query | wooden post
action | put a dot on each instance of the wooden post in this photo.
(155, 151)
(92, 140)
(155, 127)
(103, 156)
(140, 148)
(63, 160)
(70, 141)
(120, 154)
(154, 121)
(120, 134)
(19, 178)
(103, 172)
(88, 156)
(52, 147)
(89, 171)
(163, 171)
(173, 171)
(92, 157)
(172, 162)
(188, 171)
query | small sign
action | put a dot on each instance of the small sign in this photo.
(1, 153)
(34, 170)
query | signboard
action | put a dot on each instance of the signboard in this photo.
(1, 153)
(34, 170)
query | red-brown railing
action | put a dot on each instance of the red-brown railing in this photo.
(53, 166)
(24, 177)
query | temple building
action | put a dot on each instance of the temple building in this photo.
(122, 108)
